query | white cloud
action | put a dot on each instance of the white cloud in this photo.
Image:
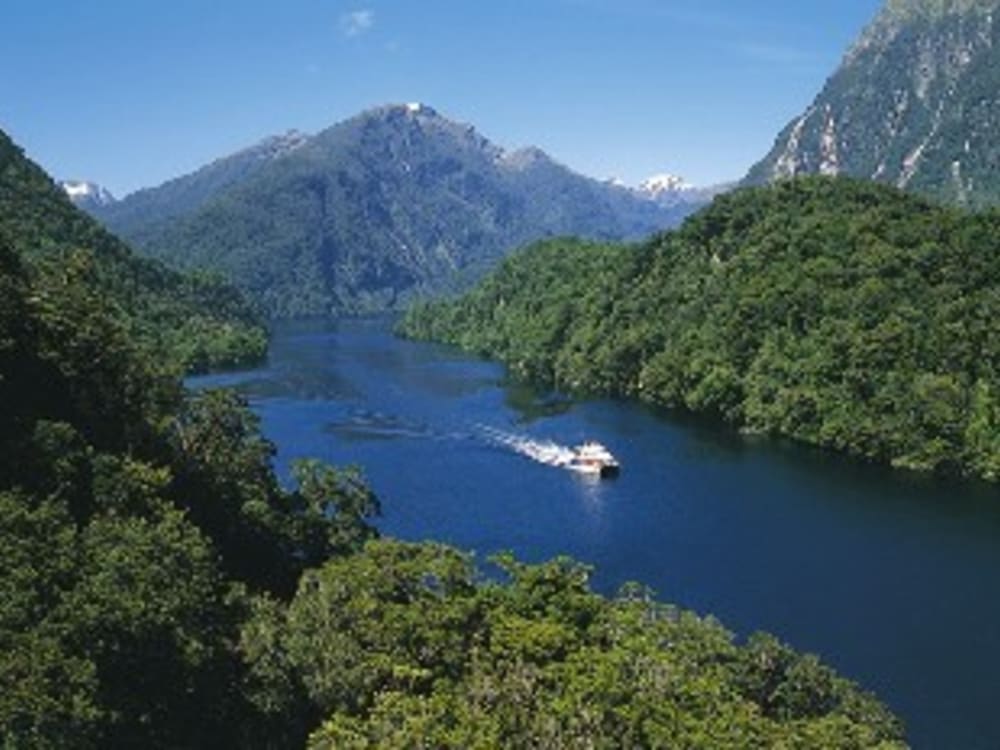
(357, 22)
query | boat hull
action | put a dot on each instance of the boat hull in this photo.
(611, 471)
(605, 471)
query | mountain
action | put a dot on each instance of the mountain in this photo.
(840, 313)
(395, 202)
(87, 195)
(665, 187)
(914, 104)
(671, 191)
(143, 211)
(196, 321)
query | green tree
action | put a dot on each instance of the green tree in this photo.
(839, 313)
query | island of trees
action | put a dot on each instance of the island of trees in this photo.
(839, 313)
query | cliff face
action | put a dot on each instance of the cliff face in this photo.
(915, 103)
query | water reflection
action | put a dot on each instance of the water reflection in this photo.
(592, 495)
(369, 425)
(531, 405)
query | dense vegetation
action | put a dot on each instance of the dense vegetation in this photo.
(160, 589)
(404, 647)
(839, 313)
(136, 525)
(913, 104)
(197, 321)
(363, 215)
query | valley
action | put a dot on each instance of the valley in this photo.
(290, 441)
(869, 567)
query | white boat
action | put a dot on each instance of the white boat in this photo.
(594, 458)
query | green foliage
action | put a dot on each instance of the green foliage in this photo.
(195, 322)
(149, 611)
(48, 696)
(134, 523)
(267, 535)
(405, 646)
(395, 618)
(841, 314)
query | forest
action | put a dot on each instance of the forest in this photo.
(838, 313)
(160, 588)
(197, 321)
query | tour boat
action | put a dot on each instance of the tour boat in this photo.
(594, 458)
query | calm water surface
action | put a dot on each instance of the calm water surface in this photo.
(892, 579)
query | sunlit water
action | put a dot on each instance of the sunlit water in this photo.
(892, 579)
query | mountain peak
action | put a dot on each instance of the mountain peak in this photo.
(913, 104)
(393, 202)
(664, 183)
(417, 110)
(87, 194)
(935, 8)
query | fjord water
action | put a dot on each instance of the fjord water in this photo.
(892, 579)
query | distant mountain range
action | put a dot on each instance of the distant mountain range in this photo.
(87, 195)
(671, 191)
(395, 202)
(915, 103)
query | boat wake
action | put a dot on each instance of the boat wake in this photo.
(545, 452)
(366, 425)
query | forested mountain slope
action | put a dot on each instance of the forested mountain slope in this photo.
(144, 211)
(197, 321)
(839, 313)
(135, 524)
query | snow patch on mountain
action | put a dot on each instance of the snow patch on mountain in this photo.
(659, 184)
(84, 192)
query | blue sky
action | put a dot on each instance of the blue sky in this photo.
(132, 92)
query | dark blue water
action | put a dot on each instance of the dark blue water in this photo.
(892, 579)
